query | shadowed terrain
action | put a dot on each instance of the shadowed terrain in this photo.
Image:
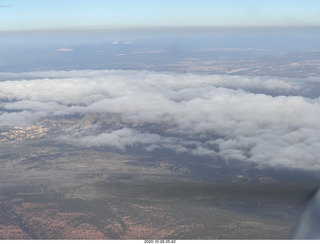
(62, 191)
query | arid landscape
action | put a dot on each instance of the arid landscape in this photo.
(63, 191)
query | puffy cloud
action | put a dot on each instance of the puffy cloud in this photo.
(211, 115)
(65, 50)
(120, 139)
(164, 80)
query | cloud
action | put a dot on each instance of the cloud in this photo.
(268, 121)
(5, 6)
(65, 50)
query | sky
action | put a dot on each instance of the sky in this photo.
(98, 14)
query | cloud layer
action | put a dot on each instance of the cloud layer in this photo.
(267, 121)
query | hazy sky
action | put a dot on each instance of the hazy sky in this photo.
(79, 14)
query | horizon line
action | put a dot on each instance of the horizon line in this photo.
(160, 28)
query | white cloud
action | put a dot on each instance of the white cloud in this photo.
(208, 115)
(65, 50)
